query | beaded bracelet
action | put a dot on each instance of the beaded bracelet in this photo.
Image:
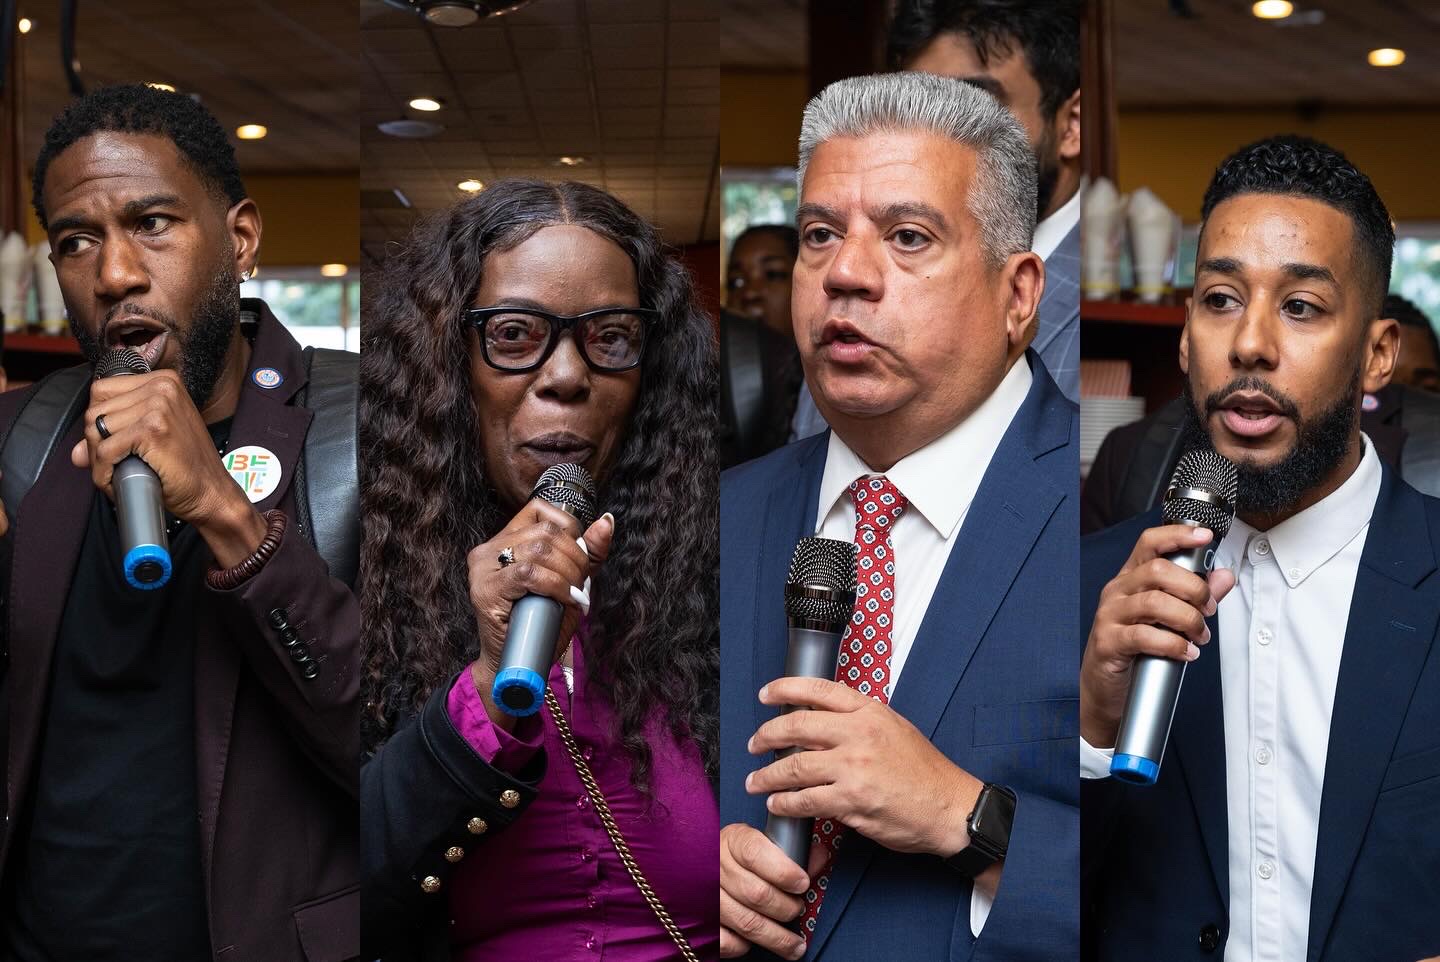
(234, 577)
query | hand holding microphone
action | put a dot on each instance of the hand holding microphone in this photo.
(533, 594)
(1151, 619)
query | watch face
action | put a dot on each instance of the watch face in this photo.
(993, 816)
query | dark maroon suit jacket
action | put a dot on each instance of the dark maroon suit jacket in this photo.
(277, 755)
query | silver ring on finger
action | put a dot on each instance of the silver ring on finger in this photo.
(101, 428)
(506, 557)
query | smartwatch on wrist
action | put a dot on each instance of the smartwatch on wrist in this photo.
(989, 826)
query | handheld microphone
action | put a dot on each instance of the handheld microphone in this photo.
(819, 598)
(535, 620)
(1201, 493)
(139, 506)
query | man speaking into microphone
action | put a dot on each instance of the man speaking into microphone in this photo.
(934, 774)
(1292, 816)
(183, 751)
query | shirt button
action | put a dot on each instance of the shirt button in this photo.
(1266, 869)
(580, 802)
(1263, 636)
(588, 753)
(1262, 755)
(590, 943)
(1262, 547)
(591, 901)
(586, 855)
(1295, 573)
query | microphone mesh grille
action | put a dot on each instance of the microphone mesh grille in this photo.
(1207, 471)
(568, 486)
(121, 360)
(829, 565)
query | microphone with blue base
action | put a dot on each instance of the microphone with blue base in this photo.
(1202, 494)
(535, 620)
(139, 504)
(819, 599)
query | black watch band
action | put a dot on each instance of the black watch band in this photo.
(989, 826)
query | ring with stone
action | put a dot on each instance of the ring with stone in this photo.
(507, 557)
(100, 427)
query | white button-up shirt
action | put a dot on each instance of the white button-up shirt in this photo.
(939, 481)
(1282, 629)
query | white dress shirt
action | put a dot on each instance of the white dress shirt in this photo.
(1052, 230)
(939, 481)
(1282, 629)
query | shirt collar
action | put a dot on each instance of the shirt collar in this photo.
(940, 479)
(1052, 230)
(1302, 544)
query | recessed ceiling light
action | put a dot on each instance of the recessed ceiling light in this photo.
(25, 25)
(426, 103)
(159, 86)
(410, 128)
(333, 270)
(571, 160)
(458, 13)
(251, 131)
(1273, 9)
(470, 186)
(1386, 57)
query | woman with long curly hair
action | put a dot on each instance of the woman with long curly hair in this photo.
(535, 324)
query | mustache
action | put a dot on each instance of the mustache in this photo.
(1250, 382)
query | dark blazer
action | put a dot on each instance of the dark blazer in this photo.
(276, 754)
(424, 791)
(1155, 859)
(990, 681)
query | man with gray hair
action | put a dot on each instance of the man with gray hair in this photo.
(944, 807)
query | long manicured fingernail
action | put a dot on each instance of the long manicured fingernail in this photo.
(580, 598)
(1191, 652)
(607, 514)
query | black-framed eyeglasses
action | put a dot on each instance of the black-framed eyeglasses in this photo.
(520, 339)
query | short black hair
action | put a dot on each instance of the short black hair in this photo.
(140, 109)
(1301, 167)
(1409, 315)
(788, 235)
(1047, 31)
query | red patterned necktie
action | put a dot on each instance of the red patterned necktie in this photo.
(865, 648)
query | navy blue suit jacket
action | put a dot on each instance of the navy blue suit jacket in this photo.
(1156, 859)
(991, 681)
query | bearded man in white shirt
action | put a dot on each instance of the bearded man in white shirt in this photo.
(1293, 816)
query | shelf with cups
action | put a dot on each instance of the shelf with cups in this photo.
(30, 355)
(1144, 336)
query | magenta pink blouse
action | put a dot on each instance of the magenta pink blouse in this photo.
(550, 887)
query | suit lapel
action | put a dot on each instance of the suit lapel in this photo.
(1014, 501)
(1387, 641)
(49, 529)
(1197, 748)
(789, 516)
(263, 417)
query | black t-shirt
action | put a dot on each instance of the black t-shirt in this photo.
(107, 865)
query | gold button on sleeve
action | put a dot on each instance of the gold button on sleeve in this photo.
(477, 826)
(430, 884)
(454, 853)
(509, 798)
